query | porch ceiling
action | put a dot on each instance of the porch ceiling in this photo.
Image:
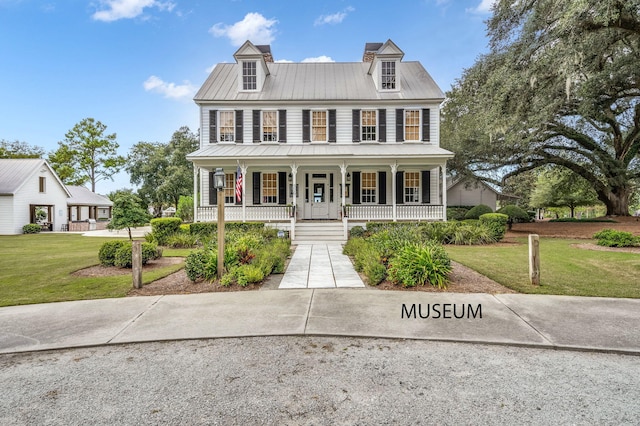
(320, 154)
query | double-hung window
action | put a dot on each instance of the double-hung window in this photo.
(249, 76)
(269, 126)
(388, 75)
(227, 126)
(318, 126)
(229, 188)
(412, 125)
(269, 188)
(368, 126)
(411, 187)
(368, 187)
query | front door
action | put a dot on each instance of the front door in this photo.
(319, 198)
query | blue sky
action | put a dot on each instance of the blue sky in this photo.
(136, 64)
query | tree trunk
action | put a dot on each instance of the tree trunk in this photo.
(572, 208)
(616, 200)
(130, 237)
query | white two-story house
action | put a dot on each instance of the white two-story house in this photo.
(356, 141)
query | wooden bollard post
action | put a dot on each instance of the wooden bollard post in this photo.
(534, 259)
(136, 264)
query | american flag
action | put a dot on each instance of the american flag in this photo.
(239, 185)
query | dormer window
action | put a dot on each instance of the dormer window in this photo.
(249, 76)
(388, 75)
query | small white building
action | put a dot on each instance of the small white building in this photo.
(31, 192)
(469, 192)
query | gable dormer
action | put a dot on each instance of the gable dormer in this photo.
(385, 61)
(252, 69)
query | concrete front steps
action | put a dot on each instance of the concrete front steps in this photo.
(319, 232)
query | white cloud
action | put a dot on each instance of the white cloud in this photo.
(322, 58)
(483, 8)
(333, 19)
(254, 27)
(127, 9)
(169, 90)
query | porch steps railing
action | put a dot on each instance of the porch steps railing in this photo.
(319, 231)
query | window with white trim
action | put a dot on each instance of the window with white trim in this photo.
(229, 188)
(318, 126)
(411, 187)
(368, 187)
(227, 126)
(269, 188)
(269, 126)
(388, 75)
(412, 125)
(368, 125)
(249, 76)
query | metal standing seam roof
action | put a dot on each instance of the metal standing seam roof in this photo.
(81, 196)
(14, 172)
(329, 81)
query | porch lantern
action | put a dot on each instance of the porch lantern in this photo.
(219, 183)
(348, 177)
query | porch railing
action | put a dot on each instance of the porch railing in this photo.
(252, 213)
(403, 212)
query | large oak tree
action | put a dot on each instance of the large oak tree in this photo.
(561, 85)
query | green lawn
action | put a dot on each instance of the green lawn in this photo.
(563, 269)
(37, 268)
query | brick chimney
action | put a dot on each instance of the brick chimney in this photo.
(266, 52)
(370, 50)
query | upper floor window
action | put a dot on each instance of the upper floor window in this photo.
(318, 126)
(43, 184)
(227, 126)
(388, 75)
(368, 127)
(269, 126)
(249, 76)
(269, 188)
(411, 187)
(412, 125)
(368, 186)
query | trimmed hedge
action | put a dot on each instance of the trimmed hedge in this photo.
(515, 213)
(613, 238)
(478, 211)
(163, 227)
(119, 252)
(31, 228)
(496, 222)
(107, 252)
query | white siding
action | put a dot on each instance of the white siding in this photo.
(6, 215)
(460, 195)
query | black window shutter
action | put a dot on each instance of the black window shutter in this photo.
(213, 128)
(382, 125)
(282, 187)
(399, 125)
(282, 124)
(356, 126)
(213, 193)
(256, 188)
(400, 188)
(355, 195)
(239, 124)
(426, 186)
(332, 125)
(382, 187)
(306, 126)
(426, 124)
(256, 126)
(238, 203)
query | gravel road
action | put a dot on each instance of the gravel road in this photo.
(319, 381)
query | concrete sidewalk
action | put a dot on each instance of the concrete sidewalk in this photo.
(558, 322)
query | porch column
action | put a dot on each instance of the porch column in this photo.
(394, 170)
(294, 202)
(444, 192)
(195, 193)
(345, 220)
(243, 170)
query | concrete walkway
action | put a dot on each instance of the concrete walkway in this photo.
(555, 322)
(320, 266)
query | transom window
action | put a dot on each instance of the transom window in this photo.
(227, 123)
(269, 188)
(411, 187)
(318, 126)
(269, 126)
(249, 76)
(368, 187)
(412, 125)
(369, 125)
(229, 188)
(388, 75)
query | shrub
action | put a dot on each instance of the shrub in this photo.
(185, 228)
(456, 213)
(203, 228)
(107, 252)
(496, 222)
(366, 255)
(244, 226)
(353, 245)
(227, 279)
(195, 264)
(123, 254)
(356, 231)
(31, 228)
(182, 240)
(375, 271)
(472, 234)
(441, 232)
(418, 264)
(248, 274)
(613, 238)
(478, 211)
(164, 227)
(515, 213)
